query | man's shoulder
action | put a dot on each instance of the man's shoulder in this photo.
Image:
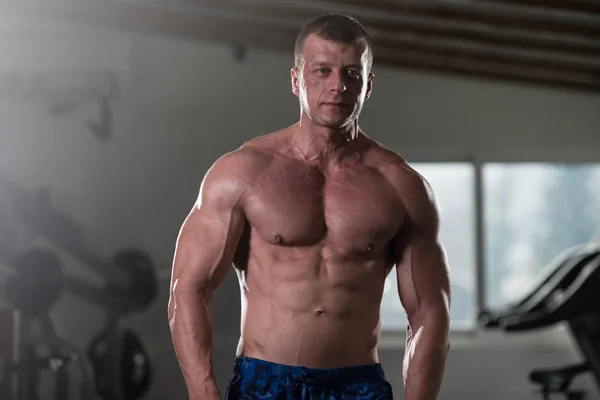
(248, 160)
(268, 143)
(232, 173)
(242, 163)
(392, 165)
(410, 185)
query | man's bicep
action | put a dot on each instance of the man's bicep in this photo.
(423, 278)
(421, 263)
(210, 233)
(205, 248)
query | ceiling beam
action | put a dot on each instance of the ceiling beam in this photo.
(484, 54)
(468, 13)
(486, 74)
(498, 38)
(499, 55)
(584, 6)
(98, 10)
(193, 25)
(470, 34)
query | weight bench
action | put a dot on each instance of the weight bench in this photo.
(571, 294)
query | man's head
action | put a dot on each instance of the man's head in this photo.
(332, 73)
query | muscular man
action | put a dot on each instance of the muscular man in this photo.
(313, 218)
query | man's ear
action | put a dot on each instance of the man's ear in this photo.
(295, 81)
(369, 85)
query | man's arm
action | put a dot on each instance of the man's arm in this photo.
(203, 256)
(424, 289)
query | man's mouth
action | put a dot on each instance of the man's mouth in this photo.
(337, 104)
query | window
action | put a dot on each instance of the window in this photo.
(453, 186)
(532, 212)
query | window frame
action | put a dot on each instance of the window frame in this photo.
(458, 327)
(473, 336)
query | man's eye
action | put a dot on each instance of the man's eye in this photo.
(323, 70)
(353, 73)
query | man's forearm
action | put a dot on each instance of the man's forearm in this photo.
(191, 330)
(425, 360)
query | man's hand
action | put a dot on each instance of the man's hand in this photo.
(208, 390)
(214, 396)
(211, 395)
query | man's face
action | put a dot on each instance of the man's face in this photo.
(332, 81)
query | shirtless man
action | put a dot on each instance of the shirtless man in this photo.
(313, 218)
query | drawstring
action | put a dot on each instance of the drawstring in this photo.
(303, 379)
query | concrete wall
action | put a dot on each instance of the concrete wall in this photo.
(185, 103)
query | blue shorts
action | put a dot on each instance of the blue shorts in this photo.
(255, 379)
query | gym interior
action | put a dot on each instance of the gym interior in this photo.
(111, 112)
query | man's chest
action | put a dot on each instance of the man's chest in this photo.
(354, 208)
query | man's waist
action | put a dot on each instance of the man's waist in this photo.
(313, 352)
(256, 368)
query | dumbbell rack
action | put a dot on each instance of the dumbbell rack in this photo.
(130, 280)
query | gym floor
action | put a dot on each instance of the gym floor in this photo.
(106, 132)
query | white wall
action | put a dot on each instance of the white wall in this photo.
(186, 103)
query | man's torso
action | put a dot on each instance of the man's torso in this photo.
(314, 256)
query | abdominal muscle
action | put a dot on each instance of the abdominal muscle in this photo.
(312, 313)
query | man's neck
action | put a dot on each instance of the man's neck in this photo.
(315, 143)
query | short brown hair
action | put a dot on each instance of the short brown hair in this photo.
(336, 28)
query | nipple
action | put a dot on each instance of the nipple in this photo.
(279, 238)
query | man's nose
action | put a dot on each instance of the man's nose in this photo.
(337, 82)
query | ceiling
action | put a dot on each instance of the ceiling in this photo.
(551, 43)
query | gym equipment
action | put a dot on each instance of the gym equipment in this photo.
(562, 271)
(113, 380)
(134, 367)
(35, 210)
(570, 294)
(129, 275)
(111, 376)
(38, 282)
(130, 286)
(144, 287)
(42, 353)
